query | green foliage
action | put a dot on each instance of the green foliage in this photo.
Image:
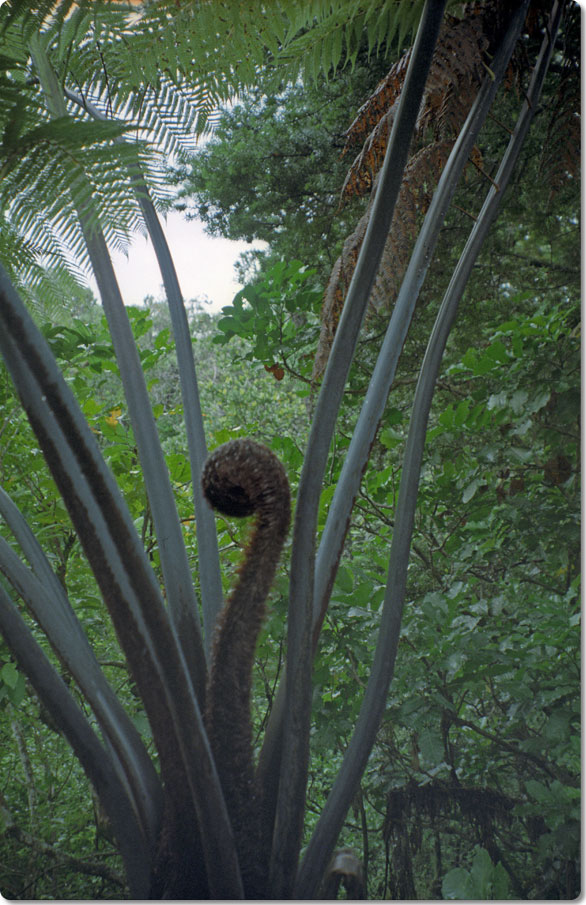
(276, 316)
(487, 695)
(12, 685)
(49, 836)
(273, 168)
(43, 168)
(484, 880)
(339, 31)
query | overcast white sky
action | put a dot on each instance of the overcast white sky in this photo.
(205, 265)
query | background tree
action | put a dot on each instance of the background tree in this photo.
(273, 168)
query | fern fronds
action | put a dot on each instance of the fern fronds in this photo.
(43, 183)
(337, 32)
(44, 278)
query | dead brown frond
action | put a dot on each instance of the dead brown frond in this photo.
(419, 181)
(453, 81)
(421, 176)
(361, 174)
(455, 74)
(383, 97)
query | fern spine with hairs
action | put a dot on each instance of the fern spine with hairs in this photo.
(240, 478)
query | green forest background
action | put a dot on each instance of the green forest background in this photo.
(472, 789)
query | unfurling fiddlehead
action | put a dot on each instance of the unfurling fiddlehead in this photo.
(240, 478)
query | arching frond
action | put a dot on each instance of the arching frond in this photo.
(51, 277)
(160, 72)
(162, 68)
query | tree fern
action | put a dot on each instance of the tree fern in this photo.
(136, 65)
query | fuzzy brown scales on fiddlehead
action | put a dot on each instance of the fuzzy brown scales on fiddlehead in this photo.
(240, 478)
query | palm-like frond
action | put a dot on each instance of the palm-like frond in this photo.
(163, 69)
(156, 77)
(338, 31)
(45, 172)
(48, 277)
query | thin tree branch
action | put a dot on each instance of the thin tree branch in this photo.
(507, 746)
(89, 867)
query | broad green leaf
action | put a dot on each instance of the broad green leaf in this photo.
(9, 675)
(457, 884)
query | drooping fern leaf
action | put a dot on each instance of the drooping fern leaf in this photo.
(42, 186)
(47, 281)
(157, 74)
(339, 31)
